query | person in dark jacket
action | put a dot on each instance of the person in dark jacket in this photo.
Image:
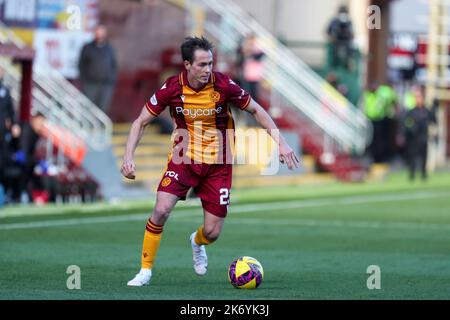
(9, 128)
(31, 133)
(415, 131)
(98, 69)
(340, 35)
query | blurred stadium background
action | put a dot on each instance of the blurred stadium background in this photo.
(317, 228)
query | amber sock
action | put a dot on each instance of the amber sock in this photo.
(150, 246)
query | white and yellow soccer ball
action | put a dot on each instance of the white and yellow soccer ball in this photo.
(245, 273)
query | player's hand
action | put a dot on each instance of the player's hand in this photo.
(128, 168)
(288, 156)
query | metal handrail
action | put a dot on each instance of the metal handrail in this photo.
(346, 125)
(88, 121)
(84, 118)
(298, 96)
(41, 102)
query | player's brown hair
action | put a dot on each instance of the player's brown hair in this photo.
(191, 44)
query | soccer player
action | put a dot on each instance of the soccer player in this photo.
(198, 100)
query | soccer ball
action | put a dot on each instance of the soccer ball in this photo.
(245, 273)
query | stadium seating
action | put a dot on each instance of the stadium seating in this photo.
(61, 179)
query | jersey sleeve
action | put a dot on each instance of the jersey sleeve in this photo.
(158, 101)
(236, 95)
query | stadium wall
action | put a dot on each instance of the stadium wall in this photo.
(143, 35)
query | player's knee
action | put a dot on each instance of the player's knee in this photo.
(162, 212)
(211, 234)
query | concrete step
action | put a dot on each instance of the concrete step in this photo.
(246, 170)
(143, 162)
(124, 128)
(143, 150)
(153, 139)
(378, 172)
(262, 181)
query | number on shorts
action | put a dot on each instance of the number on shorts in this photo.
(224, 196)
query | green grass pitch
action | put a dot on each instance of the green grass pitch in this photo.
(314, 242)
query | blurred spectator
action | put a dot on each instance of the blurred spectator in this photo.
(98, 69)
(31, 133)
(380, 106)
(340, 35)
(9, 130)
(409, 99)
(375, 112)
(387, 98)
(406, 103)
(387, 101)
(13, 169)
(2, 195)
(45, 186)
(252, 65)
(250, 69)
(415, 130)
(239, 64)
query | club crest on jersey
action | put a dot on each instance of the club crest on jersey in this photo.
(215, 96)
(166, 181)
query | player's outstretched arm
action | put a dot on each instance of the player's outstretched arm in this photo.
(287, 155)
(135, 135)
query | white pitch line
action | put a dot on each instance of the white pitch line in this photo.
(77, 221)
(337, 223)
(282, 205)
(297, 204)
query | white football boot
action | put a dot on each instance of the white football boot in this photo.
(141, 279)
(199, 257)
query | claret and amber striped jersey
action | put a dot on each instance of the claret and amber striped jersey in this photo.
(203, 113)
